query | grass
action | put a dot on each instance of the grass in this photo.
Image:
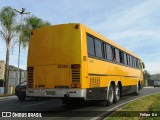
(149, 104)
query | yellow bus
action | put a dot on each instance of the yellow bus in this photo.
(73, 62)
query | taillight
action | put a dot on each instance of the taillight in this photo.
(75, 85)
(30, 68)
(75, 66)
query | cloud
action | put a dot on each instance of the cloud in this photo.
(131, 17)
(132, 24)
(153, 67)
(131, 33)
(137, 29)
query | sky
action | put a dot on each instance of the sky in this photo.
(133, 24)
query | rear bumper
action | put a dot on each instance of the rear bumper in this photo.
(86, 93)
(57, 93)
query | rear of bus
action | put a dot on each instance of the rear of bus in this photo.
(54, 62)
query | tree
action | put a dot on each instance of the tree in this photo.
(30, 24)
(146, 77)
(7, 32)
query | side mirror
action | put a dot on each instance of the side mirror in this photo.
(143, 65)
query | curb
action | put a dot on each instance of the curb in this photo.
(148, 87)
(7, 97)
(124, 104)
(106, 114)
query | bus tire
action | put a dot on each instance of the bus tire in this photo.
(137, 89)
(110, 98)
(116, 94)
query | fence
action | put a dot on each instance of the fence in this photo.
(1, 90)
(14, 79)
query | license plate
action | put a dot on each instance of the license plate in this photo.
(50, 92)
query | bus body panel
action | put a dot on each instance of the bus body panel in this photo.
(52, 77)
(101, 72)
(52, 50)
(63, 45)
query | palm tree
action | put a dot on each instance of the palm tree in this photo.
(7, 32)
(30, 24)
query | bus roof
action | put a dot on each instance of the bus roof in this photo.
(95, 34)
(92, 32)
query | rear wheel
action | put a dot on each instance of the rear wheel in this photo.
(110, 98)
(137, 89)
(116, 94)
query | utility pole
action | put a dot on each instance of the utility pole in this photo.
(22, 12)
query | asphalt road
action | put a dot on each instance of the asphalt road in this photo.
(54, 107)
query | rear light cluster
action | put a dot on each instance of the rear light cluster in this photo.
(75, 85)
(30, 76)
(75, 66)
(75, 76)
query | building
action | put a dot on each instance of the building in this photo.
(13, 75)
(2, 72)
(2, 69)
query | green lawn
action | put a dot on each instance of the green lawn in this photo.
(149, 105)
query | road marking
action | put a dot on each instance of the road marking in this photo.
(34, 104)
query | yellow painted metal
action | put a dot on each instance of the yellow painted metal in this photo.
(66, 44)
(51, 52)
(107, 71)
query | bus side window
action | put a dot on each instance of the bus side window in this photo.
(114, 54)
(131, 61)
(104, 50)
(90, 44)
(143, 65)
(138, 64)
(134, 62)
(117, 55)
(125, 59)
(121, 56)
(98, 48)
(128, 60)
(109, 52)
